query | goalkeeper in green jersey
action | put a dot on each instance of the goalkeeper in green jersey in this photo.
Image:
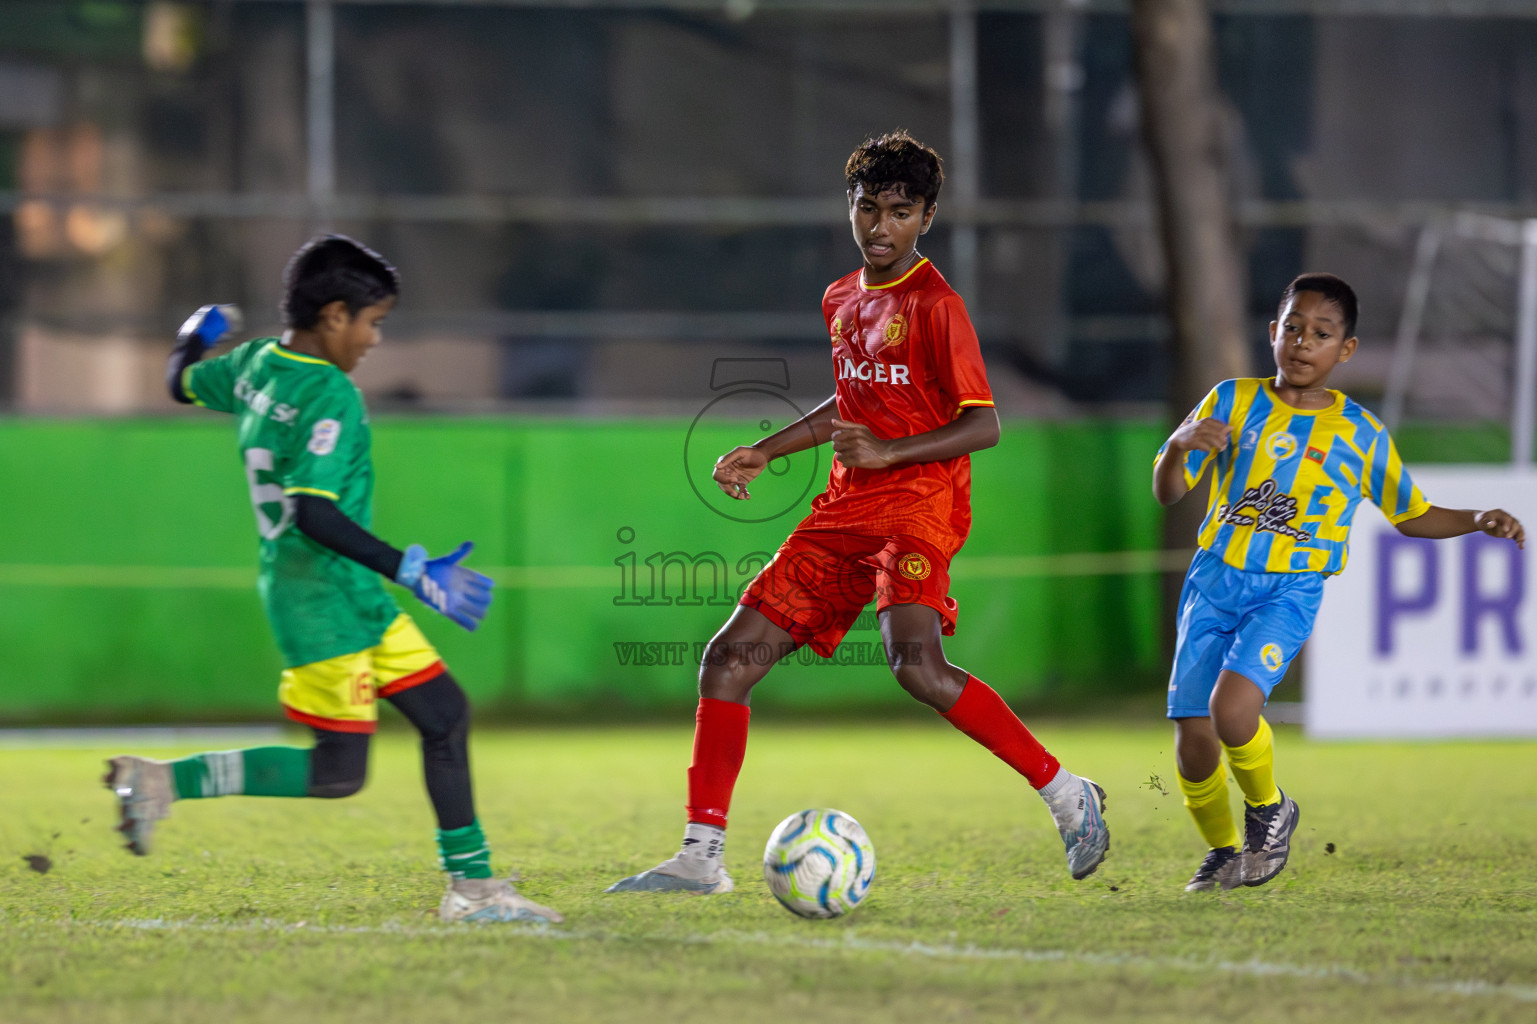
(304, 439)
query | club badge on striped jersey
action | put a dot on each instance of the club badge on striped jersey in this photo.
(1281, 446)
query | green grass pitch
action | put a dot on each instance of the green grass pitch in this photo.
(301, 911)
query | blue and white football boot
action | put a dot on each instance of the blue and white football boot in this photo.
(1084, 834)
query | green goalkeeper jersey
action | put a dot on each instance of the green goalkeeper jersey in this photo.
(302, 429)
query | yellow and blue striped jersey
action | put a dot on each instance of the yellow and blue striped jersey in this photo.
(1287, 485)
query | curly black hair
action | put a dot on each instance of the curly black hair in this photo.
(896, 162)
(334, 268)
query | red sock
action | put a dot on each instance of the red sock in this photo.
(981, 714)
(720, 742)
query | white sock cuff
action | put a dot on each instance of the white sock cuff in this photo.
(701, 840)
(1060, 785)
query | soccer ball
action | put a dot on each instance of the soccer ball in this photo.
(819, 863)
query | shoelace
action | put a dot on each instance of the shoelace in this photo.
(1258, 823)
(1214, 862)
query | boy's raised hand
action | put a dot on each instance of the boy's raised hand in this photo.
(1208, 435)
(738, 468)
(445, 586)
(1498, 523)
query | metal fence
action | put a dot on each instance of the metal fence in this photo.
(1045, 225)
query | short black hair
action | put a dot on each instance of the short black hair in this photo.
(1330, 287)
(334, 268)
(896, 162)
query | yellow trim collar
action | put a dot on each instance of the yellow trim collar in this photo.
(277, 348)
(891, 284)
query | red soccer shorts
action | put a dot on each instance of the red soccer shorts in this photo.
(820, 580)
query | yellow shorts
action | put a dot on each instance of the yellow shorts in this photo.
(339, 693)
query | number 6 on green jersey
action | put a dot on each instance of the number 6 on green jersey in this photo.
(259, 460)
(303, 429)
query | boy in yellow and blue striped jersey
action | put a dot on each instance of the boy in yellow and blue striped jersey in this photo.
(1291, 461)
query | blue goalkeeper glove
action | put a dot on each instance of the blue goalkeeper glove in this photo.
(445, 586)
(210, 325)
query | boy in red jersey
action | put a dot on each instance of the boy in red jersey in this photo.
(912, 403)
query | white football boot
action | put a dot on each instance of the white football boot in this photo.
(144, 789)
(491, 899)
(701, 876)
(1080, 821)
(699, 867)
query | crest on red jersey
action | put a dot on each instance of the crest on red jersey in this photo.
(895, 331)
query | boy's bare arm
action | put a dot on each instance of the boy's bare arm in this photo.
(741, 465)
(1208, 435)
(1439, 523)
(974, 429)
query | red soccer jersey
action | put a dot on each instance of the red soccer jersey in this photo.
(907, 361)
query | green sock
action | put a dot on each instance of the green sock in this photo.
(260, 771)
(464, 853)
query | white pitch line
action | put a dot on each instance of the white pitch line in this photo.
(852, 943)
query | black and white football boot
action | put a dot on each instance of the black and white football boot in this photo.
(1267, 839)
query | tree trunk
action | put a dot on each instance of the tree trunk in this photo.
(1182, 128)
(1207, 283)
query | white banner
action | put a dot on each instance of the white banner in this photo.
(1430, 638)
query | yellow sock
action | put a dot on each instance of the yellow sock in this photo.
(1254, 767)
(1207, 803)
